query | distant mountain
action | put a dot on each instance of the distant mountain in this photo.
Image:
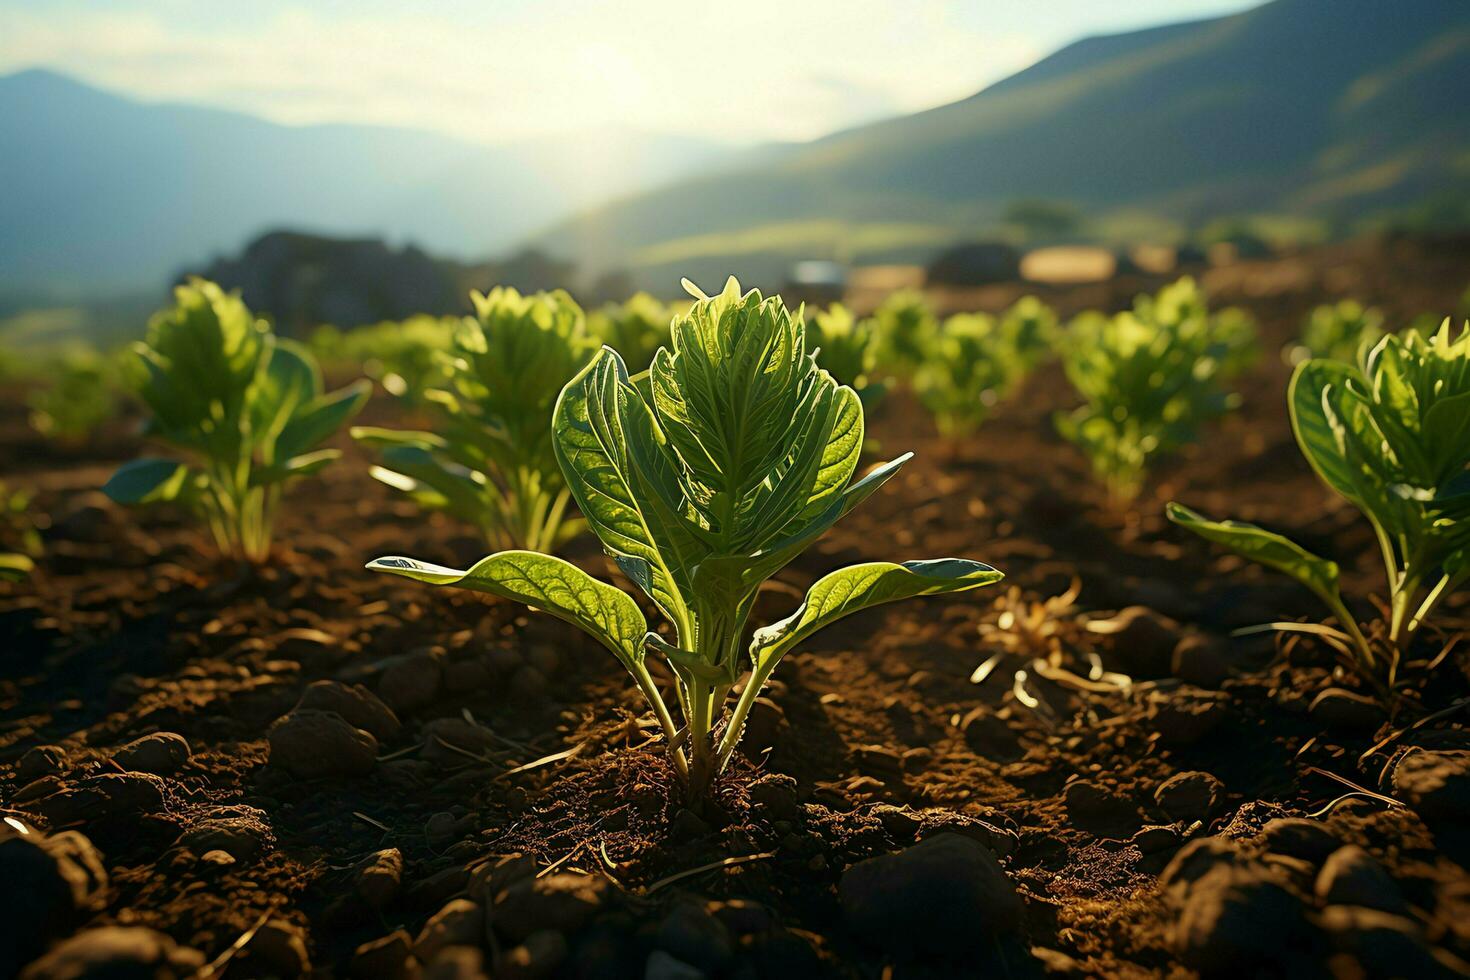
(1328, 109)
(102, 192)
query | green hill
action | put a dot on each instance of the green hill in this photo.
(1324, 111)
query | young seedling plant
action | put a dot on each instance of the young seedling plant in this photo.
(1151, 377)
(702, 479)
(1392, 436)
(490, 460)
(847, 348)
(246, 410)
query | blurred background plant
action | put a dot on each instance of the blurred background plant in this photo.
(1151, 377)
(1337, 331)
(489, 458)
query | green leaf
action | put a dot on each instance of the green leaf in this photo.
(306, 464)
(146, 481)
(452, 488)
(370, 435)
(318, 419)
(15, 567)
(1314, 386)
(1271, 550)
(858, 587)
(549, 584)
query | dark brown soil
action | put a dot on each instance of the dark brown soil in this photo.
(520, 736)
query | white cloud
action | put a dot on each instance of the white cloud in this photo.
(767, 69)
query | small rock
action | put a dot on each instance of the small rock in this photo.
(494, 876)
(1435, 784)
(1186, 716)
(55, 882)
(378, 879)
(162, 753)
(1202, 659)
(1346, 711)
(444, 828)
(1140, 640)
(1100, 810)
(42, 760)
(388, 958)
(988, 735)
(537, 957)
(564, 902)
(1189, 796)
(901, 823)
(459, 923)
(313, 744)
(1385, 945)
(1300, 838)
(693, 935)
(528, 684)
(1155, 840)
(116, 951)
(456, 963)
(1196, 859)
(355, 703)
(467, 676)
(443, 736)
(115, 794)
(665, 966)
(411, 681)
(774, 794)
(1351, 877)
(743, 917)
(763, 727)
(1236, 918)
(278, 949)
(240, 831)
(217, 859)
(945, 894)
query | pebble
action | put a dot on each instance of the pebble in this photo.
(774, 796)
(1140, 640)
(311, 744)
(162, 753)
(1300, 838)
(240, 831)
(278, 949)
(388, 958)
(377, 881)
(459, 923)
(62, 878)
(537, 957)
(107, 795)
(690, 933)
(41, 760)
(564, 902)
(1202, 659)
(116, 951)
(664, 966)
(1237, 918)
(1186, 716)
(1351, 876)
(411, 681)
(1435, 784)
(464, 735)
(456, 963)
(988, 735)
(1098, 809)
(943, 895)
(1385, 945)
(355, 703)
(1189, 796)
(1346, 711)
(743, 917)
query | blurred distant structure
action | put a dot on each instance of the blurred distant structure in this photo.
(974, 264)
(302, 281)
(815, 282)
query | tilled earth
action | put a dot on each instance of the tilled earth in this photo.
(312, 769)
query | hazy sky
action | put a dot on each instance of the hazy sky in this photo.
(501, 70)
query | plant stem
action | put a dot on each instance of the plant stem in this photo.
(665, 720)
